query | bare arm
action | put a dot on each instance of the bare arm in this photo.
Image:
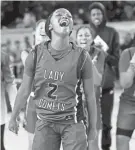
(12, 92)
(22, 95)
(88, 85)
(24, 55)
(98, 68)
(126, 78)
(26, 86)
(91, 101)
(127, 72)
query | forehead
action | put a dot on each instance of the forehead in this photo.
(96, 10)
(84, 30)
(62, 10)
(42, 23)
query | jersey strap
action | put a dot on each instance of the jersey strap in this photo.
(37, 53)
(81, 62)
(81, 115)
(130, 54)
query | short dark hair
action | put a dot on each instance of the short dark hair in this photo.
(48, 32)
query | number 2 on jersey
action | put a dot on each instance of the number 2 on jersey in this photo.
(53, 88)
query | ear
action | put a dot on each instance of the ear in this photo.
(50, 27)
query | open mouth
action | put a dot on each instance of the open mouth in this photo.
(83, 42)
(64, 23)
(97, 21)
(42, 34)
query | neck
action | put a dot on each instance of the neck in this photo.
(60, 43)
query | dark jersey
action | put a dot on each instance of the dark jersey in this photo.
(129, 93)
(56, 80)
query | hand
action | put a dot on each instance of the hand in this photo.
(132, 61)
(92, 133)
(13, 126)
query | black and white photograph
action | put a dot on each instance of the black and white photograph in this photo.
(67, 75)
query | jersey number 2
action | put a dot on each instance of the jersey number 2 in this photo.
(53, 88)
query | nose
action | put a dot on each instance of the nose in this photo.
(96, 15)
(84, 37)
(64, 16)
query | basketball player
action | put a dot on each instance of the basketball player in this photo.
(84, 39)
(126, 115)
(59, 66)
(31, 117)
(8, 85)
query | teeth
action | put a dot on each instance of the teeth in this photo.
(96, 21)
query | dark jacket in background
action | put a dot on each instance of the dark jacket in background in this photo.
(111, 37)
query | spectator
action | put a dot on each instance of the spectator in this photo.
(17, 64)
(128, 41)
(109, 37)
(29, 19)
(77, 20)
(7, 85)
(27, 42)
(19, 23)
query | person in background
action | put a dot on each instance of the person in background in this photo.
(60, 64)
(84, 40)
(108, 38)
(126, 115)
(30, 119)
(128, 41)
(27, 42)
(7, 85)
(17, 63)
(29, 18)
(8, 43)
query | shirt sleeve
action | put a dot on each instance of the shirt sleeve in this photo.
(29, 65)
(113, 58)
(7, 71)
(124, 61)
(87, 70)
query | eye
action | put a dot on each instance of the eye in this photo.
(88, 35)
(68, 15)
(80, 35)
(59, 14)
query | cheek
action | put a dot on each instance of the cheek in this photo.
(101, 18)
(78, 39)
(90, 39)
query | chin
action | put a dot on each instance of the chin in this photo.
(82, 46)
(97, 25)
(64, 33)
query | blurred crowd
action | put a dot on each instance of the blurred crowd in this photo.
(14, 50)
(24, 14)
